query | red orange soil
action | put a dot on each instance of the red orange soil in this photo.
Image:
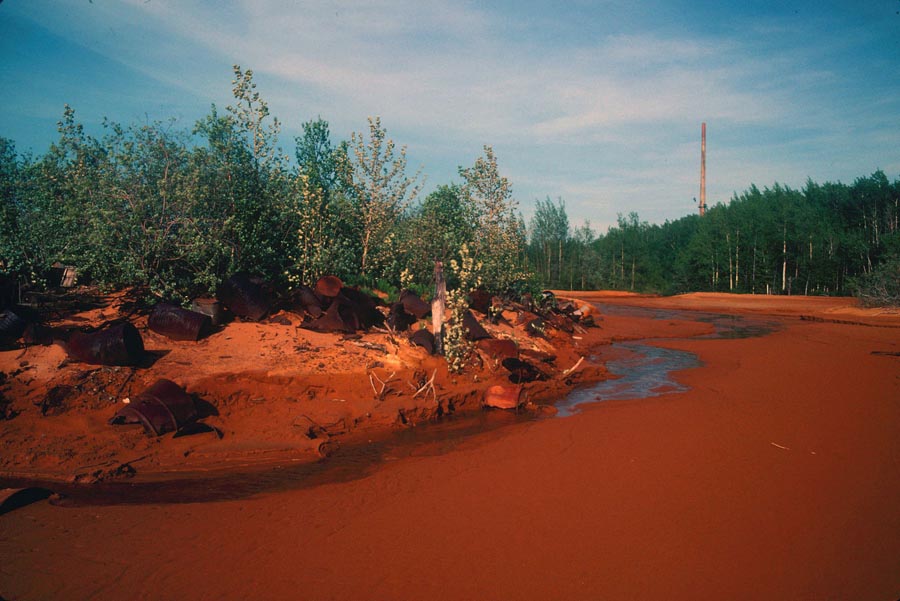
(774, 477)
(278, 393)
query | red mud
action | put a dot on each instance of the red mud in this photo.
(774, 477)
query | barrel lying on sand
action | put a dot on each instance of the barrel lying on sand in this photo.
(118, 344)
(177, 323)
(245, 296)
(163, 407)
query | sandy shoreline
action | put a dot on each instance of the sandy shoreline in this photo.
(774, 477)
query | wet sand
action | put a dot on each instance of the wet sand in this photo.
(775, 476)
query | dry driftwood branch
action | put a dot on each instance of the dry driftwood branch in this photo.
(429, 385)
(573, 368)
(380, 394)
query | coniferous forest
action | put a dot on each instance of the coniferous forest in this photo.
(177, 211)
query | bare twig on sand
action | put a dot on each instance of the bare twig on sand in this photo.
(380, 394)
(573, 368)
(428, 386)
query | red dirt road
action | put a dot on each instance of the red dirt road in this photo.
(777, 476)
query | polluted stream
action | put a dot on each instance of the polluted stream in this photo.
(641, 371)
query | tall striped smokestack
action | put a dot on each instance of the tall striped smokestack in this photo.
(703, 169)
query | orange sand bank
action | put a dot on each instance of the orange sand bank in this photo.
(774, 477)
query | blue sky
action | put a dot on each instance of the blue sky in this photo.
(599, 103)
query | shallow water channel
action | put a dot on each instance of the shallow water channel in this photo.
(642, 371)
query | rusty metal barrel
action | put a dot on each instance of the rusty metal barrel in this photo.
(423, 338)
(414, 305)
(177, 323)
(245, 297)
(163, 407)
(119, 344)
(11, 327)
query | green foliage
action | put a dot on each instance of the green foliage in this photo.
(177, 211)
(381, 193)
(467, 271)
(819, 240)
(436, 230)
(881, 286)
(500, 243)
(326, 232)
(12, 251)
(549, 233)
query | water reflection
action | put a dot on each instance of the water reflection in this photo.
(643, 371)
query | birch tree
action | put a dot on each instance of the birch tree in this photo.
(382, 192)
(500, 240)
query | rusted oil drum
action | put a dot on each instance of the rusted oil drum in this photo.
(399, 319)
(12, 326)
(473, 329)
(119, 344)
(307, 299)
(498, 348)
(423, 338)
(329, 286)
(163, 407)
(414, 305)
(244, 296)
(502, 397)
(358, 309)
(177, 323)
(480, 300)
(329, 321)
(208, 306)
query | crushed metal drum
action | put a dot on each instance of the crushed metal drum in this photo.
(12, 326)
(163, 407)
(245, 296)
(398, 319)
(473, 329)
(414, 305)
(177, 323)
(209, 306)
(522, 371)
(330, 321)
(306, 298)
(498, 348)
(329, 286)
(480, 300)
(118, 344)
(502, 397)
(423, 338)
(358, 309)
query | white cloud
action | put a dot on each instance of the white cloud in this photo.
(608, 121)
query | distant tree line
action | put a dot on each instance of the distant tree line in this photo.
(177, 211)
(824, 239)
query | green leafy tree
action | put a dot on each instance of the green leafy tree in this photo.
(326, 230)
(500, 242)
(549, 234)
(381, 193)
(436, 230)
